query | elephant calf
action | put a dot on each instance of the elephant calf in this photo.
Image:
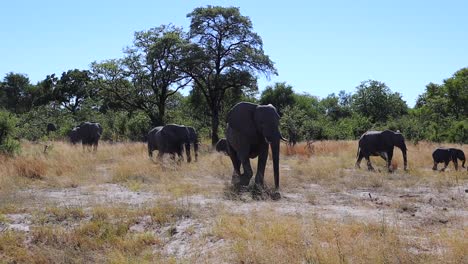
(221, 146)
(446, 155)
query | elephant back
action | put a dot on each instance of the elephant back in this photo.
(241, 118)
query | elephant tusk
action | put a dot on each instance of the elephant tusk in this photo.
(282, 138)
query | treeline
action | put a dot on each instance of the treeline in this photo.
(217, 62)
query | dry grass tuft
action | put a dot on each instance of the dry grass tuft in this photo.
(32, 168)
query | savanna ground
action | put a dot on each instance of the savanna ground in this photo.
(118, 206)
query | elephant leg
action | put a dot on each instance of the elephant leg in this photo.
(446, 163)
(150, 152)
(358, 161)
(187, 152)
(247, 175)
(435, 166)
(236, 164)
(455, 163)
(160, 156)
(262, 160)
(389, 161)
(96, 146)
(369, 164)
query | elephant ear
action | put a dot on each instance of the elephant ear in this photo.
(241, 118)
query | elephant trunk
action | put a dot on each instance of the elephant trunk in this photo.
(275, 147)
(195, 149)
(405, 161)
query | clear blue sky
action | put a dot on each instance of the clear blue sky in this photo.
(318, 47)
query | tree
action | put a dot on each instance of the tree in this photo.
(226, 54)
(375, 100)
(457, 93)
(72, 89)
(337, 107)
(279, 95)
(15, 93)
(148, 74)
(8, 122)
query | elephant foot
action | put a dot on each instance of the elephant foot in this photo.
(433, 168)
(275, 196)
(357, 166)
(235, 179)
(244, 180)
(259, 192)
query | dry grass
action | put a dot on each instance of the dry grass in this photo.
(267, 238)
(103, 231)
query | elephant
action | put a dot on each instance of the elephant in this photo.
(292, 134)
(446, 155)
(50, 128)
(170, 139)
(73, 136)
(152, 140)
(88, 133)
(381, 143)
(221, 146)
(193, 138)
(251, 128)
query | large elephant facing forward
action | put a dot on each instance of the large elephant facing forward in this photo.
(171, 139)
(88, 133)
(251, 128)
(446, 155)
(381, 143)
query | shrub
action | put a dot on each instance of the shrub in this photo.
(8, 145)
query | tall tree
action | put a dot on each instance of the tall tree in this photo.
(226, 54)
(148, 74)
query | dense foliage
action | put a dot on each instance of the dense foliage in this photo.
(217, 63)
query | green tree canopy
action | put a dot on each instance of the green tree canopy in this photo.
(148, 74)
(375, 100)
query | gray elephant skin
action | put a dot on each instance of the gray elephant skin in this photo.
(221, 146)
(152, 140)
(381, 143)
(445, 155)
(88, 133)
(193, 138)
(170, 139)
(251, 128)
(170, 132)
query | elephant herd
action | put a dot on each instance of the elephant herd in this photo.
(252, 129)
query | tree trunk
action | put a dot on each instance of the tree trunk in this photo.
(214, 125)
(162, 111)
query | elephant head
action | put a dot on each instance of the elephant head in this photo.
(266, 121)
(458, 154)
(399, 141)
(74, 136)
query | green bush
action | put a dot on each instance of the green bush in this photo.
(458, 132)
(8, 145)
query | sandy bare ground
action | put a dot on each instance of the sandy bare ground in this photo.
(189, 237)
